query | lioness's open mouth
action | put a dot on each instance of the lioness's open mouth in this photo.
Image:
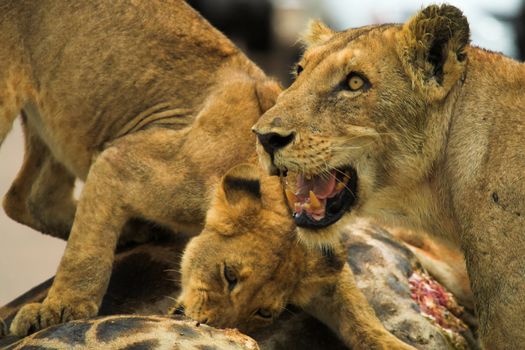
(321, 200)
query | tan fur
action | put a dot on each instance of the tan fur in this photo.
(317, 33)
(437, 143)
(144, 101)
(255, 237)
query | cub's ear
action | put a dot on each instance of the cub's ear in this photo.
(267, 93)
(317, 33)
(242, 183)
(237, 201)
(433, 49)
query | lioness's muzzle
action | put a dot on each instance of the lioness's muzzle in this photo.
(274, 141)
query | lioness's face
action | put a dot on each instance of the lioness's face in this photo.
(357, 111)
(344, 114)
(240, 271)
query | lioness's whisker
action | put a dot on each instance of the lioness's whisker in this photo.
(284, 308)
(329, 168)
(170, 297)
(341, 182)
(177, 281)
(171, 270)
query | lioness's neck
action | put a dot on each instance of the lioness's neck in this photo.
(484, 130)
(420, 207)
(472, 117)
(415, 194)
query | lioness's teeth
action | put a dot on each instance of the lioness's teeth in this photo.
(292, 198)
(308, 177)
(339, 186)
(314, 202)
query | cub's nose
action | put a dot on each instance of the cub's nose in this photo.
(178, 310)
(274, 141)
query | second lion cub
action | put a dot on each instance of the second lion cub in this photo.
(143, 100)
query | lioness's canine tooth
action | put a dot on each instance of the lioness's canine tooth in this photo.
(292, 198)
(339, 186)
(314, 202)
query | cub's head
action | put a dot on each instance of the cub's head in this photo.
(367, 112)
(240, 271)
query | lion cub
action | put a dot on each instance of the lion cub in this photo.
(143, 100)
(412, 126)
(225, 288)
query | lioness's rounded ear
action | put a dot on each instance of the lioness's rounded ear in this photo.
(433, 48)
(317, 33)
(267, 92)
(242, 183)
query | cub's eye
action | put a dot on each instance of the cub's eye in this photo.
(355, 81)
(231, 278)
(298, 69)
(264, 313)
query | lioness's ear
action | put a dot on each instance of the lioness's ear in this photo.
(267, 92)
(317, 33)
(433, 48)
(241, 185)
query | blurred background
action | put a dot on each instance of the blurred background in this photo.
(267, 30)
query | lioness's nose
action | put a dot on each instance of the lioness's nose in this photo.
(274, 141)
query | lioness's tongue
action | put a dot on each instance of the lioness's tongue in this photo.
(322, 186)
(312, 194)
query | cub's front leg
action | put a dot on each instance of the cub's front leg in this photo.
(85, 268)
(344, 308)
(117, 188)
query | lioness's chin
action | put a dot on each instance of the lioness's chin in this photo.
(315, 238)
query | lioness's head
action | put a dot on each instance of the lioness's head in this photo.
(366, 113)
(240, 271)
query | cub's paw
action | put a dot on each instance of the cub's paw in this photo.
(36, 316)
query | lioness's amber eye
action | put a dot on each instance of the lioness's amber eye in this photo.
(231, 278)
(355, 82)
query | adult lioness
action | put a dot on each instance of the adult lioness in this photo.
(144, 101)
(422, 130)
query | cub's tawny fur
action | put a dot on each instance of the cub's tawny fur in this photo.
(246, 265)
(423, 131)
(144, 101)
